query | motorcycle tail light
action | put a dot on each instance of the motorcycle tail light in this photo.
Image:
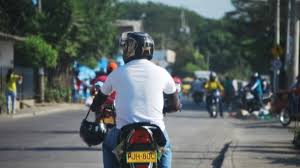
(140, 136)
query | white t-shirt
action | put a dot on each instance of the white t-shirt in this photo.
(139, 87)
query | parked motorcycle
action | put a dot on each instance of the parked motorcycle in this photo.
(140, 146)
(250, 103)
(283, 106)
(214, 103)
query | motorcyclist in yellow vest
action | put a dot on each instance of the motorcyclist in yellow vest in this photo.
(211, 85)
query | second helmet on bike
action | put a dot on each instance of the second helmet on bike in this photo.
(92, 133)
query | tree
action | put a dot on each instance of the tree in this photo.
(252, 23)
(15, 18)
(163, 23)
(37, 53)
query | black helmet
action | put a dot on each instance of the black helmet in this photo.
(212, 76)
(255, 76)
(92, 133)
(136, 45)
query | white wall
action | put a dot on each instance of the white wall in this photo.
(6, 53)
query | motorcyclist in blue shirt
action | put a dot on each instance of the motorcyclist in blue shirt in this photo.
(256, 88)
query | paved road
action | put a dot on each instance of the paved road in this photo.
(52, 141)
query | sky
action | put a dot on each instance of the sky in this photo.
(214, 9)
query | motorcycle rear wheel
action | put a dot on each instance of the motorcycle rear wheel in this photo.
(285, 117)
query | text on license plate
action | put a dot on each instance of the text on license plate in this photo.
(141, 157)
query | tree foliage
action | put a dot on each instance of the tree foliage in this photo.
(15, 16)
(163, 23)
(80, 30)
(77, 29)
(37, 53)
(237, 44)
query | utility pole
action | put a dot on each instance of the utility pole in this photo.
(296, 50)
(41, 72)
(295, 60)
(276, 60)
(288, 38)
(277, 27)
(40, 5)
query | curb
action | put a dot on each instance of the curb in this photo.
(47, 110)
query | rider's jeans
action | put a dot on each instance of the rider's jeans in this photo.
(110, 142)
(208, 103)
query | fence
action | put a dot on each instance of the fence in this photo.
(25, 90)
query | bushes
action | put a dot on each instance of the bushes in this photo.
(37, 53)
(2, 102)
(58, 95)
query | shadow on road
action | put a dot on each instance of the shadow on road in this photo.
(189, 151)
(269, 151)
(41, 132)
(287, 146)
(58, 132)
(260, 124)
(193, 107)
(218, 161)
(188, 116)
(46, 149)
(293, 161)
(281, 153)
(193, 158)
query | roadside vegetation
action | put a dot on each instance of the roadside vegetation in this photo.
(70, 30)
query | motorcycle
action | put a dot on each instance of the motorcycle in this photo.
(282, 105)
(214, 103)
(140, 146)
(250, 103)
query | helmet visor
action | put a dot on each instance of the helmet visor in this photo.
(128, 45)
(123, 39)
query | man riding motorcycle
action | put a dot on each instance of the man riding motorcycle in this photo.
(256, 88)
(139, 95)
(211, 85)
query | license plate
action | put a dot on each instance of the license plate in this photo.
(109, 120)
(142, 157)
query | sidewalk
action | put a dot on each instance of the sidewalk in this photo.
(43, 109)
(261, 144)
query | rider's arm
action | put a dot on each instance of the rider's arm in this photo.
(99, 99)
(172, 102)
(102, 95)
(255, 85)
(206, 85)
(221, 87)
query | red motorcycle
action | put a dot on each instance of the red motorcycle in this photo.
(140, 146)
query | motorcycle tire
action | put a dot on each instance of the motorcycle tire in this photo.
(214, 111)
(285, 117)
